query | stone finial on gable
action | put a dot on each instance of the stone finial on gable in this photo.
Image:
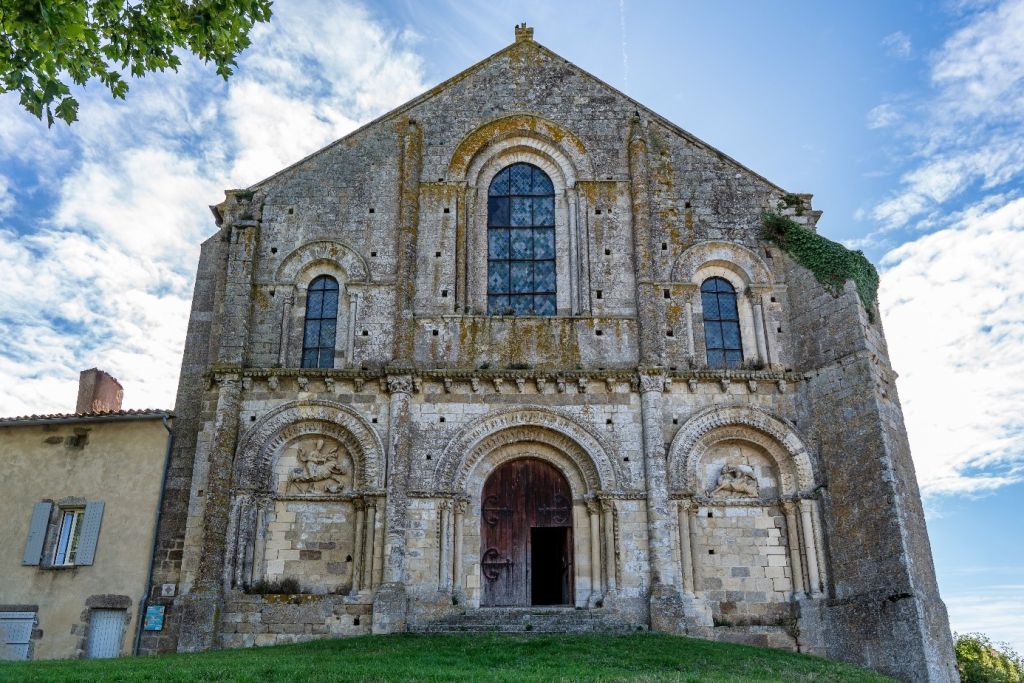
(523, 32)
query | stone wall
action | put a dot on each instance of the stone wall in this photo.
(798, 455)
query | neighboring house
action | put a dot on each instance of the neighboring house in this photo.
(78, 501)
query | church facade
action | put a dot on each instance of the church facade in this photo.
(521, 347)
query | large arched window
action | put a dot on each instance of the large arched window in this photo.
(521, 242)
(321, 323)
(721, 324)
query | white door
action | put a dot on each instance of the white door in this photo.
(106, 626)
(15, 634)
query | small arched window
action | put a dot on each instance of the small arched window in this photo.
(321, 324)
(521, 242)
(721, 324)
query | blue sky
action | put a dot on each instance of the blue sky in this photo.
(905, 120)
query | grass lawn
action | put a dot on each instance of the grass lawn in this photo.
(471, 657)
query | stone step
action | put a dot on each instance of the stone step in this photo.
(528, 620)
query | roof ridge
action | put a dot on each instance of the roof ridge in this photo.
(465, 73)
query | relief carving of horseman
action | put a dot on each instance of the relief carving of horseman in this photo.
(321, 469)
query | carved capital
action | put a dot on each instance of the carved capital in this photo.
(400, 384)
(652, 383)
(461, 506)
(593, 507)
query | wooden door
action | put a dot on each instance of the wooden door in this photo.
(518, 497)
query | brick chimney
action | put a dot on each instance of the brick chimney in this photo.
(98, 392)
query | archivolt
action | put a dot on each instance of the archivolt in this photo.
(720, 423)
(529, 424)
(553, 140)
(742, 261)
(322, 250)
(260, 444)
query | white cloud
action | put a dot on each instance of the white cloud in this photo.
(953, 307)
(994, 611)
(897, 44)
(881, 116)
(973, 128)
(6, 197)
(107, 277)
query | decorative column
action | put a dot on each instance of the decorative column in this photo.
(754, 296)
(444, 567)
(685, 551)
(357, 545)
(410, 165)
(593, 513)
(350, 340)
(793, 540)
(659, 537)
(460, 516)
(608, 508)
(286, 323)
(691, 349)
(370, 535)
(813, 580)
(819, 541)
(399, 455)
(651, 337)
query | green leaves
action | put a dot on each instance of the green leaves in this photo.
(832, 263)
(45, 45)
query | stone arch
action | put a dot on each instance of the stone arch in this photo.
(263, 442)
(497, 136)
(584, 457)
(742, 423)
(744, 265)
(308, 256)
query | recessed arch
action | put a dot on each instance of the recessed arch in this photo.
(498, 137)
(263, 442)
(741, 423)
(308, 256)
(550, 430)
(745, 267)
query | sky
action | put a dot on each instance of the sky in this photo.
(905, 120)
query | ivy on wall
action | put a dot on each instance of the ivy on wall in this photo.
(832, 263)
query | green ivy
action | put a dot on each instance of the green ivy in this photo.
(832, 263)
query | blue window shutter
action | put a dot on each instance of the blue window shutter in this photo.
(90, 532)
(37, 533)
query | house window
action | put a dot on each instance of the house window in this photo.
(68, 538)
(321, 323)
(521, 242)
(721, 324)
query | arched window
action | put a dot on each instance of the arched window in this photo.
(321, 323)
(721, 324)
(521, 242)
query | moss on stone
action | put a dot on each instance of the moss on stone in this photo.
(832, 263)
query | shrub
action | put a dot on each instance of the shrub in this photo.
(979, 660)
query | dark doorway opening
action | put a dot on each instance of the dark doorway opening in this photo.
(549, 565)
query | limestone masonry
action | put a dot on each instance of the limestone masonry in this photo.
(516, 355)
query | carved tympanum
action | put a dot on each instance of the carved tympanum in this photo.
(736, 480)
(323, 467)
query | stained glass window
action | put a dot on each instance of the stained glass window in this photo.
(521, 242)
(321, 323)
(721, 324)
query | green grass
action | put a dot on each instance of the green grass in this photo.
(471, 657)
